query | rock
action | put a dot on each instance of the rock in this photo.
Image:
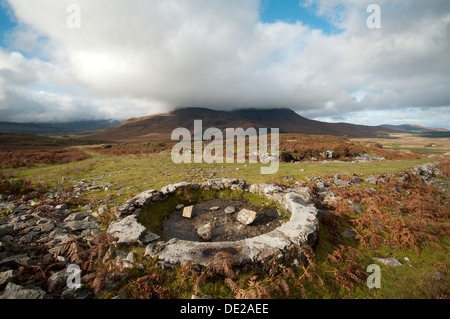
(371, 180)
(6, 277)
(77, 293)
(61, 207)
(127, 231)
(179, 207)
(202, 297)
(390, 262)
(148, 237)
(305, 193)
(246, 216)
(22, 260)
(214, 208)
(57, 281)
(81, 225)
(13, 291)
(76, 216)
(230, 210)
(205, 232)
(122, 295)
(6, 229)
(438, 276)
(45, 228)
(188, 212)
(348, 233)
(149, 250)
(110, 254)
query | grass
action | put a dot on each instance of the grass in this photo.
(411, 143)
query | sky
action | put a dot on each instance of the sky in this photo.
(135, 58)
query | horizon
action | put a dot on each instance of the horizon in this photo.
(318, 58)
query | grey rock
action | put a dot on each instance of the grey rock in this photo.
(127, 231)
(149, 250)
(81, 225)
(246, 216)
(6, 229)
(57, 281)
(13, 291)
(6, 277)
(348, 233)
(371, 180)
(389, 262)
(438, 276)
(205, 232)
(77, 216)
(22, 260)
(148, 237)
(230, 210)
(77, 293)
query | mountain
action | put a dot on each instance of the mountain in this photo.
(57, 128)
(159, 127)
(414, 128)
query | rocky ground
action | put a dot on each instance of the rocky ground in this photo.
(35, 235)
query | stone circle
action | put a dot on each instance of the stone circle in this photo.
(279, 246)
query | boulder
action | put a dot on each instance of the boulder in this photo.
(246, 216)
(129, 231)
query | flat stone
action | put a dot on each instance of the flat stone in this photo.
(188, 212)
(179, 207)
(389, 262)
(246, 216)
(214, 208)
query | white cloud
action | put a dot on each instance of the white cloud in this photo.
(142, 57)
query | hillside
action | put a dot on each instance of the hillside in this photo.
(414, 128)
(32, 141)
(57, 128)
(159, 127)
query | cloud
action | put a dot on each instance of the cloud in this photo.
(143, 57)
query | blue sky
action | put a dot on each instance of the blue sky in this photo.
(291, 11)
(134, 59)
(6, 22)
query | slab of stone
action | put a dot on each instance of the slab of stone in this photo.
(188, 212)
(214, 208)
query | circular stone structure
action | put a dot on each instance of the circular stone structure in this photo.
(278, 246)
